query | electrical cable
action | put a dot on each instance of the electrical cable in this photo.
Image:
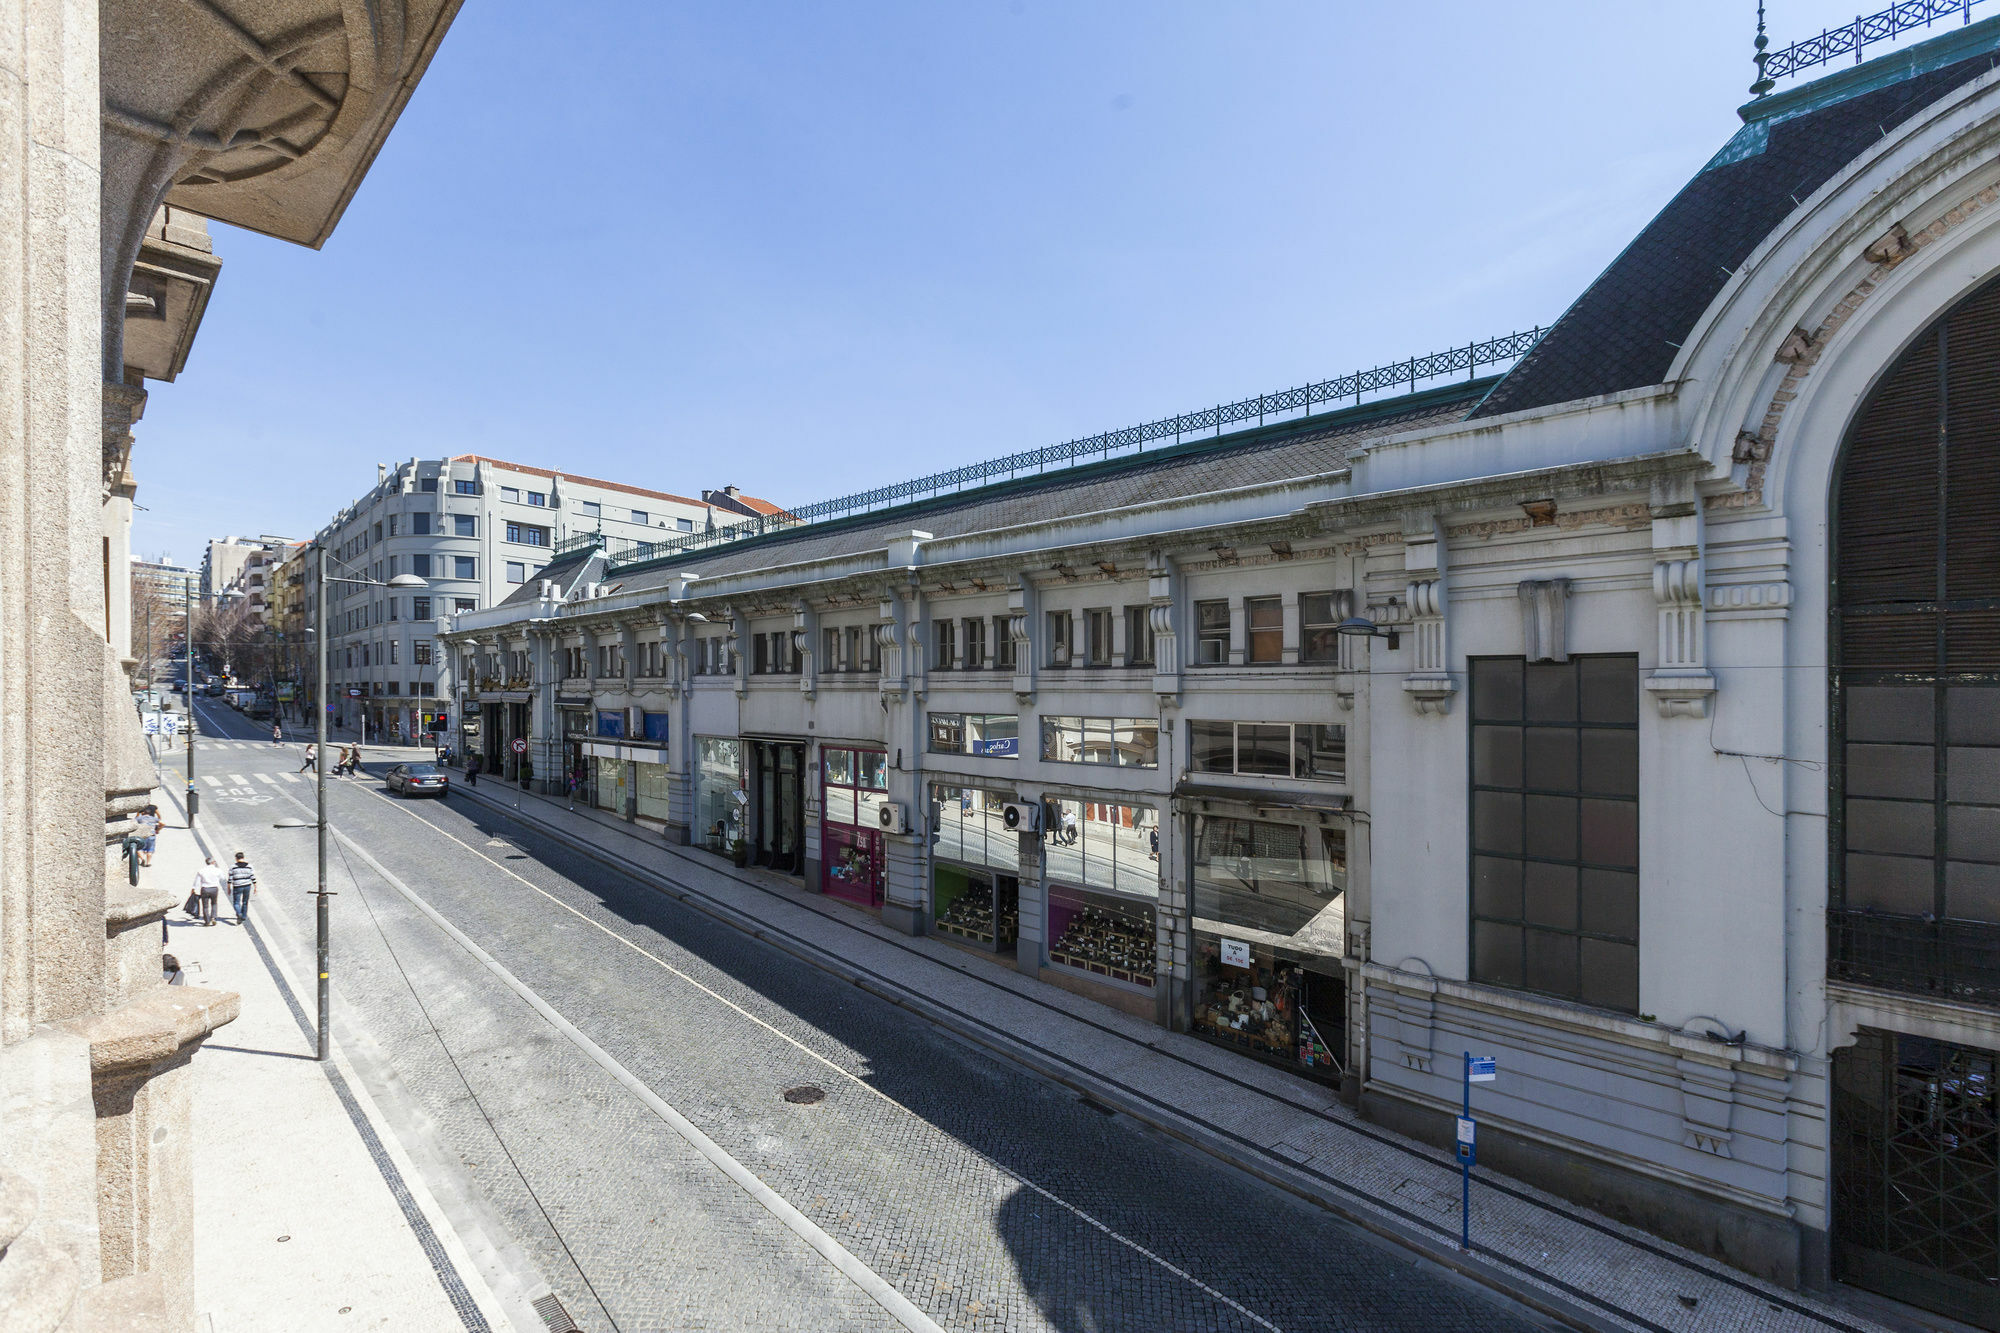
(466, 1083)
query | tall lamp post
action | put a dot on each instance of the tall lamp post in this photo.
(319, 766)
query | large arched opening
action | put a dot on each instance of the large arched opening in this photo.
(1914, 860)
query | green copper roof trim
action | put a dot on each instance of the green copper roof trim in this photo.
(1276, 432)
(1974, 39)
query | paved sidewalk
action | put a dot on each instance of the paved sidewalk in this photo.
(308, 1214)
(1569, 1262)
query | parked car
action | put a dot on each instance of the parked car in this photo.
(418, 780)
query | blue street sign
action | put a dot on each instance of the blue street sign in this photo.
(1481, 1068)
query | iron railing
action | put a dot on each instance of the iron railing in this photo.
(1951, 959)
(1849, 38)
(1404, 376)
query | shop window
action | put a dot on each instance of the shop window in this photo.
(654, 726)
(851, 841)
(718, 795)
(1097, 637)
(1306, 750)
(1123, 742)
(1101, 935)
(1096, 844)
(1319, 625)
(976, 906)
(1003, 643)
(1058, 623)
(1284, 880)
(652, 790)
(1555, 827)
(1264, 620)
(1138, 636)
(967, 825)
(1211, 633)
(996, 735)
(974, 644)
(611, 722)
(944, 645)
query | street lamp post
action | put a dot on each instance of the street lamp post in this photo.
(187, 648)
(321, 893)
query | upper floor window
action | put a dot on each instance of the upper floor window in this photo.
(465, 488)
(641, 516)
(1264, 624)
(1269, 749)
(428, 485)
(944, 641)
(1320, 614)
(538, 498)
(994, 734)
(684, 524)
(1555, 827)
(420, 608)
(1059, 637)
(1211, 632)
(420, 524)
(1097, 636)
(511, 494)
(465, 525)
(771, 653)
(393, 520)
(1138, 636)
(420, 652)
(465, 604)
(589, 508)
(1003, 643)
(465, 567)
(972, 647)
(517, 572)
(527, 534)
(1127, 742)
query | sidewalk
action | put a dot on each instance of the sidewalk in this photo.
(304, 1201)
(1564, 1260)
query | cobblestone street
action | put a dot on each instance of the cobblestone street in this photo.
(989, 1199)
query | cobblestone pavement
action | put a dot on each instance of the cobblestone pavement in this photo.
(989, 1198)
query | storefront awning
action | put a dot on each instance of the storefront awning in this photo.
(1262, 798)
(641, 754)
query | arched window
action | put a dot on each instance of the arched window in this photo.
(1915, 644)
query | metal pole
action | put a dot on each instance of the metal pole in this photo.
(1464, 1167)
(187, 646)
(319, 785)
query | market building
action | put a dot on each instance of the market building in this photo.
(1628, 717)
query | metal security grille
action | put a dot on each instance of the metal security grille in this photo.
(1915, 892)
(1917, 1173)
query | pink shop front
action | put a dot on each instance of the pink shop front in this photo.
(853, 790)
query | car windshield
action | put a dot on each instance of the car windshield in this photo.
(422, 770)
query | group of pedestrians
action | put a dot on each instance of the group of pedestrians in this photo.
(211, 880)
(348, 761)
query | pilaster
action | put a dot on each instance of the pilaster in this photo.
(1680, 684)
(1430, 686)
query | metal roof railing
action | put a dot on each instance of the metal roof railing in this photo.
(1849, 38)
(1466, 358)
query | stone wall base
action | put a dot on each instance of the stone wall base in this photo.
(1774, 1248)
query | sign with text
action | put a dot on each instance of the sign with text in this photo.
(1482, 1069)
(1236, 953)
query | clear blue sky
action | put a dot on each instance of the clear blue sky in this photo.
(806, 248)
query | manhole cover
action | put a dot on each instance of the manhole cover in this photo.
(805, 1095)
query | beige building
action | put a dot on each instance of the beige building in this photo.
(122, 126)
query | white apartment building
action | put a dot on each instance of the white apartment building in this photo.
(474, 528)
(224, 560)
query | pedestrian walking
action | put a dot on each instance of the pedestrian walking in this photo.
(472, 767)
(242, 883)
(277, 733)
(148, 821)
(312, 758)
(208, 890)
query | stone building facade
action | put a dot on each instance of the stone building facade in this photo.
(123, 126)
(1664, 776)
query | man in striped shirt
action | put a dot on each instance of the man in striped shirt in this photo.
(242, 880)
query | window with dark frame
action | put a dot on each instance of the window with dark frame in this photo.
(1211, 633)
(1309, 751)
(1319, 626)
(1138, 636)
(1097, 637)
(1059, 649)
(1555, 828)
(1003, 643)
(944, 645)
(973, 646)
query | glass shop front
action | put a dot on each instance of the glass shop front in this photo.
(975, 864)
(720, 797)
(854, 786)
(1102, 862)
(1269, 929)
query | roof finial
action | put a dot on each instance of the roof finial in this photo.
(1764, 84)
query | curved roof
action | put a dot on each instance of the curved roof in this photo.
(1627, 327)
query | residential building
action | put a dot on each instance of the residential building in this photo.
(252, 583)
(125, 126)
(162, 578)
(223, 561)
(473, 528)
(1632, 718)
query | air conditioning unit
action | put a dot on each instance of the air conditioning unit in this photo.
(895, 817)
(1023, 818)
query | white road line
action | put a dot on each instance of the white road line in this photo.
(238, 780)
(848, 1074)
(265, 778)
(290, 776)
(211, 779)
(899, 1307)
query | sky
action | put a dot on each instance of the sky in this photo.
(808, 248)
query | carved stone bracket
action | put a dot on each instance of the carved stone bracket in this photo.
(123, 406)
(1430, 687)
(1681, 684)
(1166, 638)
(1544, 619)
(1708, 1093)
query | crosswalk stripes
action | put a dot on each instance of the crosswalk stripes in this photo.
(238, 780)
(291, 777)
(211, 779)
(265, 778)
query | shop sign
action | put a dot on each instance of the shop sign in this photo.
(572, 701)
(1006, 747)
(1236, 953)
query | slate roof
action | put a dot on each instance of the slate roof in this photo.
(566, 571)
(1626, 328)
(1302, 448)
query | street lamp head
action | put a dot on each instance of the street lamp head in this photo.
(408, 581)
(1361, 627)
(294, 823)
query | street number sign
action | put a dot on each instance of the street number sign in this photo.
(1482, 1069)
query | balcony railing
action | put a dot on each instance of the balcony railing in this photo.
(1850, 38)
(1952, 960)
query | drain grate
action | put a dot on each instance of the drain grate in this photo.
(805, 1095)
(552, 1313)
